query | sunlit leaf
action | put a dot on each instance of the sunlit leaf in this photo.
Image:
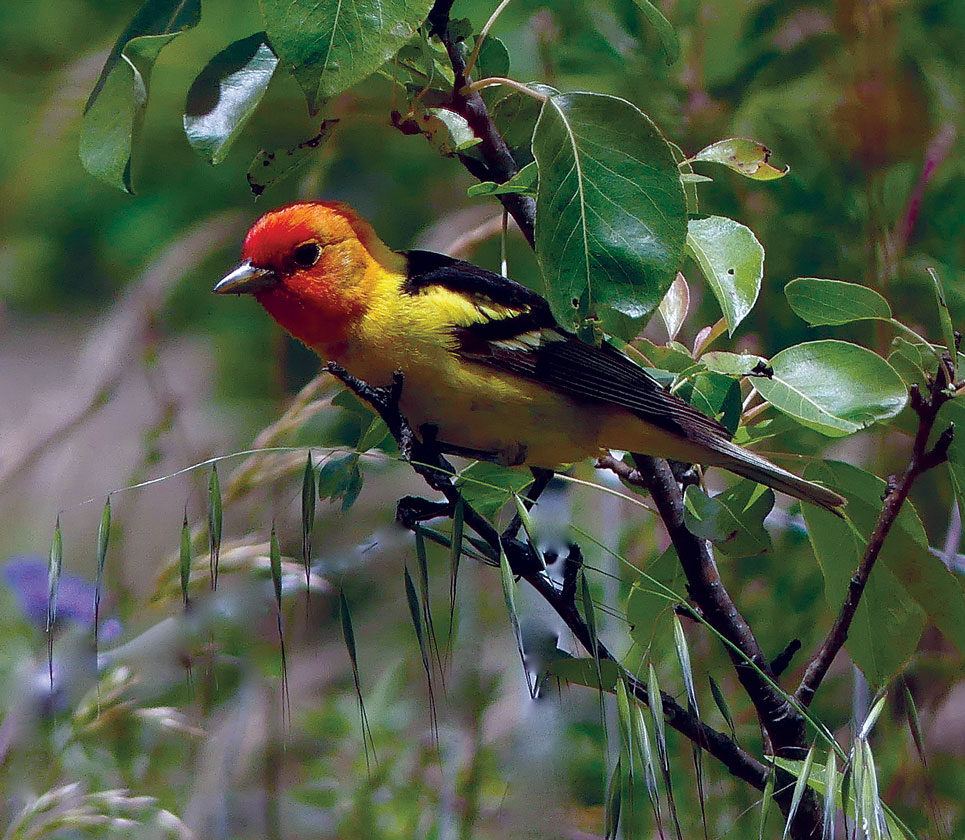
(329, 47)
(748, 157)
(834, 302)
(833, 387)
(732, 260)
(673, 308)
(226, 93)
(610, 211)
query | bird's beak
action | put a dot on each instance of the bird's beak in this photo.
(245, 280)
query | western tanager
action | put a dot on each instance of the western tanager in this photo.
(484, 361)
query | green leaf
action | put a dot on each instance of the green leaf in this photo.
(226, 93)
(732, 520)
(834, 302)
(114, 113)
(610, 211)
(732, 260)
(944, 317)
(833, 387)
(584, 672)
(715, 395)
(493, 59)
(612, 804)
(673, 308)
(664, 29)
(733, 364)
(905, 554)
(488, 487)
(722, 705)
(340, 479)
(888, 623)
(799, 787)
(328, 47)
(748, 157)
(271, 166)
(523, 182)
(55, 565)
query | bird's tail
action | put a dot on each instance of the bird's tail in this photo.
(750, 465)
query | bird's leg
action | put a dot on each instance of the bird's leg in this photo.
(541, 478)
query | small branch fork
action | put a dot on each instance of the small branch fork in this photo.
(427, 459)
(940, 390)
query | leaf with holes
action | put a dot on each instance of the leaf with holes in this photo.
(610, 211)
(328, 47)
(732, 260)
(748, 157)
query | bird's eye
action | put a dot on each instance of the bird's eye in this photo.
(307, 254)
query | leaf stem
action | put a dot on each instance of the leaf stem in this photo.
(482, 35)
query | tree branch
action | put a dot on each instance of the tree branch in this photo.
(497, 160)
(427, 460)
(922, 460)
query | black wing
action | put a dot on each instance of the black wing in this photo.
(531, 344)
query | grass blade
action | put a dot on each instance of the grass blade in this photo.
(348, 634)
(589, 615)
(214, 525)
(799, 787)
(509, 596)
(612, 806)
(455, 555)
(54, 568)
(722, 706)
(415, 610)
(103, 540)
(683, 655)
(830, 792)
(430, 627)
(185, 558)
(309, 496)
(660, 729)
(274, 557)
(767, 800)
(872, 718)
(642, 737)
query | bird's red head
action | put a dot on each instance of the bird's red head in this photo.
(312, 266)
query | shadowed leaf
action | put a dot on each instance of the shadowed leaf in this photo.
(184, 559)
(722, 705)
(114, 113)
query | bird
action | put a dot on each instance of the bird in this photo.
(485, 366)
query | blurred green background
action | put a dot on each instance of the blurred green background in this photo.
(117, 365)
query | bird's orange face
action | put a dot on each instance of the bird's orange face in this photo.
(311, 266)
